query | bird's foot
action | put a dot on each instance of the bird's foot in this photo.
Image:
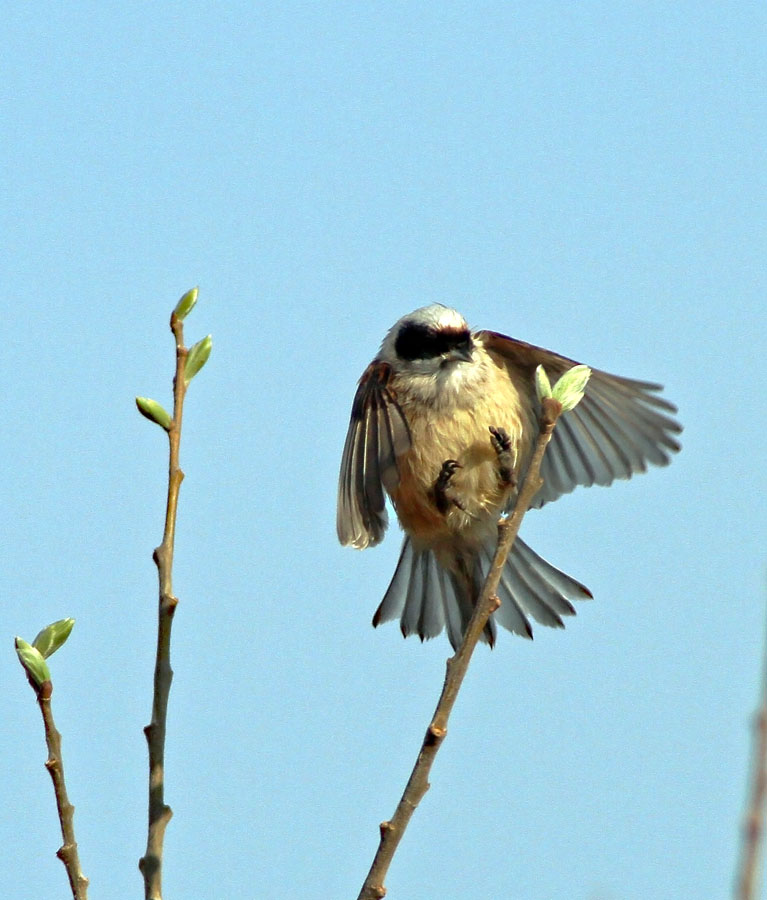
(443, 499)
(501, 442)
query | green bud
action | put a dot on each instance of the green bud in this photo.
(197, 357)
(51, 638)
(34, 664)
(570, 388)
(152, 410)
(542, 383)
(186, 304)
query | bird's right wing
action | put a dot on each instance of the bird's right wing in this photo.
(618, 427)
(378, 434)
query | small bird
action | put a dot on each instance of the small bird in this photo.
(444, 421)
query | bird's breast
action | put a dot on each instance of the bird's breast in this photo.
(475, 490)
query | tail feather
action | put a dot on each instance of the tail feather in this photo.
(560, 585)
(399, 588)
(530, 586)
(423, 614)
(427, 598)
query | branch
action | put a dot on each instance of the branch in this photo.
(188, 363)
(753, 826)
(457, 666)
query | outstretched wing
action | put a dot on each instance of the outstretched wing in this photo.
(378, 434)
(619, 427)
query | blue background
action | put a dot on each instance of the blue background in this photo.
(589, 177)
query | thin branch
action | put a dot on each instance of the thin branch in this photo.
(753, 826)
(67, 853)
(159, 813)
(457, 666)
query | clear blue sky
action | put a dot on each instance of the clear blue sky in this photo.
(590, 177)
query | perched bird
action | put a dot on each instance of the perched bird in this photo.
(444, 421)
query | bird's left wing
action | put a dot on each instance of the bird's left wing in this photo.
(378, 434)
(619, 427)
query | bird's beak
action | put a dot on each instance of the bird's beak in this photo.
(461, 353)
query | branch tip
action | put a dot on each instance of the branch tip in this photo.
(159, 812)
(551, 411)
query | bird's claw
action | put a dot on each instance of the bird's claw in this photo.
(441, 498)
(501, 442)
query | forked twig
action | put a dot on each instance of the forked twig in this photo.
(457, 666)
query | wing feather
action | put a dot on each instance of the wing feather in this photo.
(378, 434)
(619, 427)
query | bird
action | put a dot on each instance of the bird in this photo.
(444, 422)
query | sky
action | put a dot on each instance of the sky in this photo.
(588, 177)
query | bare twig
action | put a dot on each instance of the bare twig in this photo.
(457, 666)
(753, 826)
(159, 813)
(67, 853)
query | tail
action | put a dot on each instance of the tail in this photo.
(426, 597)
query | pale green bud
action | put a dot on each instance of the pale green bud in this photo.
(33, 661)
(186, 304)
(197, 357)
(570, 388)
(542, 383)
(152, 410)
(51, 638)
